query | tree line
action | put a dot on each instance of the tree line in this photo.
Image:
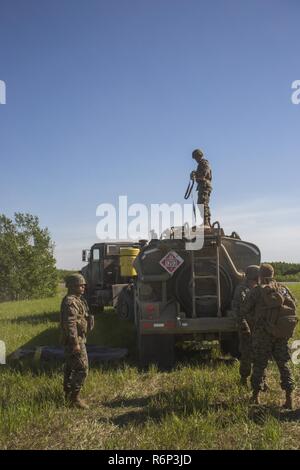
(288, 272)
(27, 263)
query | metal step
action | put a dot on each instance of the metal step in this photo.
(216, 277)
(206, 296)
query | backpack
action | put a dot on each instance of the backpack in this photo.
(279, 311)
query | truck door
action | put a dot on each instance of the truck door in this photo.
(97, 266)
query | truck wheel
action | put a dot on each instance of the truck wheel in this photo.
(125, 305)
(158, 350)
(229, 344)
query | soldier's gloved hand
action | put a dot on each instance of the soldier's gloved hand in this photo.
(193, 175)
(91, 322)
(76, 349)
(245, 328)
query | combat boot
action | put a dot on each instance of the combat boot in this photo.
(288, 400)
(255, 397)
(77, 402)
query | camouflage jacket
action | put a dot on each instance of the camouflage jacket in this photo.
(253, 308)
(74, 320)
(240, 293)
(203, 173)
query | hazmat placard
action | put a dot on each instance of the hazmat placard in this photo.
(171, 262)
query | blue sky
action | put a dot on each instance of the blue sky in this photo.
(108, 98)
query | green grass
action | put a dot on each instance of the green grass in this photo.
(198, 405)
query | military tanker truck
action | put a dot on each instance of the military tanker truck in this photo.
(180, 293)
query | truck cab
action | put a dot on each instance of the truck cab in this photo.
(103, 272)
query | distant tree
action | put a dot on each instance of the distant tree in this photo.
(27, 264)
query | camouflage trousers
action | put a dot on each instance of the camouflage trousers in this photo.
(75, 369)
(203, 198)
(265, 347)
(246, 358)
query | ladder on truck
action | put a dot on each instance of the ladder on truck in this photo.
(214, 242)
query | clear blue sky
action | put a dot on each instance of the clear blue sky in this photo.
(110, 97)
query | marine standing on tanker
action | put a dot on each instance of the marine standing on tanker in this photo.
(75, 322)
(203, 176)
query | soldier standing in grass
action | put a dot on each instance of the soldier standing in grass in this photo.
(245, 339)
(203, 177)
(76, 321)
(271, 311)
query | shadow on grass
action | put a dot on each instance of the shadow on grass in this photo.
(207, 358)
(259, 414)
(37, 319)
(157, 407)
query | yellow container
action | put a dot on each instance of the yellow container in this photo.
(127, 257)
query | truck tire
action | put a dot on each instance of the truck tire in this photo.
(125, 304)
(229, 344)
(156, 349)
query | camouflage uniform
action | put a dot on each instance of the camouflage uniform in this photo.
(264, 344)
(245, 340)
(74, 323)
(203, 177)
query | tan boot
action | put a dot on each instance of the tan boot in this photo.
(288, 400)
(255, 397)
(77, 402)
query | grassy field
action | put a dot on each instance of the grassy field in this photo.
(198, 405)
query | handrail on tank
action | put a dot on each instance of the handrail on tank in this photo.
(217, 223)
(232, 265)
(218, 244)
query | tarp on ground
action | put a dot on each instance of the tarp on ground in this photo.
(48, 353)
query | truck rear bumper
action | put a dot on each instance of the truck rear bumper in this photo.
(188, 326)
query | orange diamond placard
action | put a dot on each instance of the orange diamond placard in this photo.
(171, 262)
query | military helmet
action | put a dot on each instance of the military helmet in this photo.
(252, 272)
(197, 153)
(74, 280)
(266, 271)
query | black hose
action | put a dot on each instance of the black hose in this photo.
(189, 189)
